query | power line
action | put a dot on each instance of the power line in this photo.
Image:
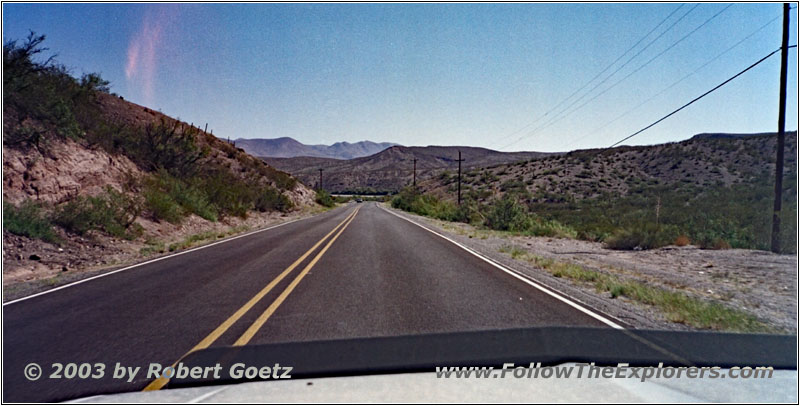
(646, 63)
(698, 97)
(655, 57)
(555, 120)
(628, 61)
(615, 71)
(681, 79)
(602, 71)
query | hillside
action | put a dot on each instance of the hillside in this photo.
(392, 169)
(716, 190)
(91, 179)
(701, 161)
(286, 147)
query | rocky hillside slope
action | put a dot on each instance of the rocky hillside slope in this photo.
(93, 179)
(60, 168)
(704, 160)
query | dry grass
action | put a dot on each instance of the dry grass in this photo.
(677, 307)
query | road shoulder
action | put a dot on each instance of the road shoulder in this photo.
(518, 252)
(31, 277)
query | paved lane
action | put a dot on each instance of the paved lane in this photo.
(386, 277)
(356, 271)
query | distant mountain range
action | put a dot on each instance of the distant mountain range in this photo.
(393, 168)
(286, 147)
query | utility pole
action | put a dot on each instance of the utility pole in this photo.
(776, 219)
(320, 178)
(415, 175)
(658, 210)
(459, 177)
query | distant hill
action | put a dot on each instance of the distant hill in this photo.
(705, 160)
(286, 147)
(391, 169)
(726, 136)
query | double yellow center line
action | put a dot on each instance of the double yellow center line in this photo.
(253, 329)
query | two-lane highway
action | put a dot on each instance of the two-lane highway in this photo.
(356, 271)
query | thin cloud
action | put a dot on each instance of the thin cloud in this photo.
(144, 50)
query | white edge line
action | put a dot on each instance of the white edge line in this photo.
(560, 296)
(150, 262)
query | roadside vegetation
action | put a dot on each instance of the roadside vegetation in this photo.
(29, 220)
(649, 216)
(502, 214)
(710, 217)
(677, 307)
(43, 102)
(324, 198)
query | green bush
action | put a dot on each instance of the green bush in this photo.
(162, 206)
(550, 228)
(189, 194)
(272, 199)
(112, 212)
(324, 198)
(46, 93)
(29, 220)
(714, 215)
(283, 181)
(428, 205)
(646, 236)
(507, 214)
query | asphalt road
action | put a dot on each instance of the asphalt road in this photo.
(355, 271)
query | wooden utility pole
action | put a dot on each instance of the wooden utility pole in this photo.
(320, 178)
(776, 212)
(658, 210)
(459, 177)
(415, 174)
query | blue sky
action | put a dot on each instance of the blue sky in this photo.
(429, 74)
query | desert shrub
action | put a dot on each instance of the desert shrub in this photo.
(30, 220)
(165, 145)
(283, 180)
(682, 240)
(711, 241)
(550, 228)
(324, 198)
(228, 193)
(507, 214)
(645, 236)
(429, 205)
(189, 194)
(111, 212)
(272, 199)
(161, 205)
(404, 200)
(45, 92)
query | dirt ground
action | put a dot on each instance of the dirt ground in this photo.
(758, 282)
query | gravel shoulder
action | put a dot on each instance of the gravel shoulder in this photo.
(760, 283)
